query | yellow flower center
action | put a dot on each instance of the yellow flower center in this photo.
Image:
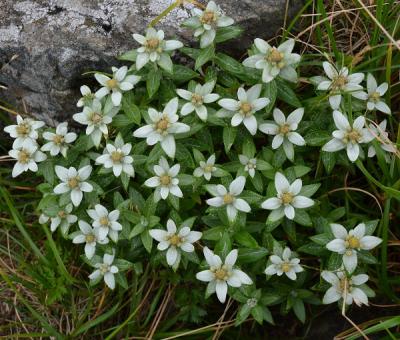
(73, 182)
(90, 238)
(104, 221)
(112, 83)
(286, 198)
(375, 96)
(57, 139)
(116, 156)
(165, 180)
(286, 267)
(246, 108)
(197, 99)
(251, 165)
(96, 118)
(162, 124)
(23, 156)
(339, 82)
(353, 242)
(228, 199)
(221, 274)
(104, 268)
(208, 168)
(23, 129)
(353, 136)
(276, 57)
(208, 17)
(152, 43)
(62, 214)
(284, 129)
(344, 284)
(175, 240)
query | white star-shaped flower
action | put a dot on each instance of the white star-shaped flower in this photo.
(87, 96)
(88, 236)
(230, 199)
(347, 288)
(221, 275)
(163, 127)
(339, 82)
(118, 84)
(284, 131)
(374, 95)
(274, 61)
(58, 142)
(63, 219)
(250, 164)
(27, 155)
(349, 243)
(201, 95)
(105, 269)
(25, 130)
(117, 157)
(206, 168)
(96, 118)
(348, 137)
(155, 49)
(380, 133)
(205, 23)
(175, 241)
(287, 199)
(165, 180)
(243, 110)
(285, 264)
(73, 181)
(105, 223)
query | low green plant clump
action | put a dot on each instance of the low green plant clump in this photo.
(219, 174)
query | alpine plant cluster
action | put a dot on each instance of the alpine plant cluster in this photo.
(211, 160)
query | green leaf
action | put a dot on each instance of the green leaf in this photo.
(251, 255)
(228, 63)
(137, 229)
(299, 310)
(286, 93)
(321, 239)
(46, 168)
(257, 313)
(227, 33)
(205, 55)
(313, 249)
(129, 56)
(153, 81)
(245, 239)
(224, 245)
(182, 74)
(270, 91)
(335, 261)
(213, 234)
(329, 160)
(228, 136)
(302, 217)
(317, 138)
(131, 111)
(147, 240)
(309, 190)
(243, 314)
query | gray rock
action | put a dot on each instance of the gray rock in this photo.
(46, 45)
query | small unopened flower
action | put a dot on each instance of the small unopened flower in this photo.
(165, 180)
(229, 198)
(284, 130)
(380, 133)
(87, 96)
(25, 130)
(206, 168)
(58, 142)
(96, 118)
(175, 241)
(348, 137)
(287, 199)
(196, 100)
(27, 155)
(105, 223)
(221, 275)
(73, 181)
(117, 158)
(349, 243)
(119, 83)
(374, 95)
(206, 23)
(105, 269)
(347, 288)
(250, 164)
(163, 127)
(155, 49)
(63, 219)
(339, 82)
(274, 61)
(243, 109)
(88, 236)
(285, 264)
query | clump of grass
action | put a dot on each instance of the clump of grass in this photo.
(45, 292)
